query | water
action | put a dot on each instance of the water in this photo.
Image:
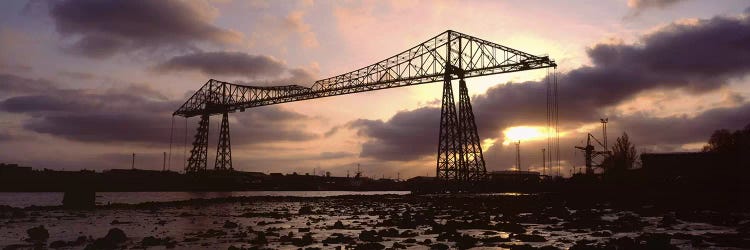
(26, 199)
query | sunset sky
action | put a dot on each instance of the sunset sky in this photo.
(84, 84)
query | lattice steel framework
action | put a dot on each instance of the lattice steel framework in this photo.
(224, 150)
(199, 153)
(449, 155)
(471, 150)
(435, 60)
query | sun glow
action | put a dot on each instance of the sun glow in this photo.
(524, 133)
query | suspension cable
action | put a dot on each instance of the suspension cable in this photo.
(557, 119)
(184, 147)
(171, 135)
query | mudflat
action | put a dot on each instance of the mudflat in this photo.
(517, 221)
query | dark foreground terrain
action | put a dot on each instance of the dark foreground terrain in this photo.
(511, 221)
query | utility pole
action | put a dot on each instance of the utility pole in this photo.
(544, 163)
(604, 131)
(164, 166)
(132, 164)
(518, 155)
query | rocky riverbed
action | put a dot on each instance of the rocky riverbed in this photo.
(375, 222)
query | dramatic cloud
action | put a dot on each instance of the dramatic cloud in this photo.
(104, 28)
(15, 67)
(297, 76)
(647, 4)
(408, 135)
(225, 63)
(12, 84)
(103, 127)
(681, 129)
(76, 75)
(697, 57)
(121, 116)
(270, 124)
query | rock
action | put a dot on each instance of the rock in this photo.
(260, 239)
(408, 233)
(229, 224)
(155, 241)
(465, 242)
(370, 236)
(439, 246)
(658, 241)
(114, 237)
(397, 245)
(338, 225)
(530, 238)
(494, 239)
(603, 233)
(58, 244)
(390, 232)
(37, 234)
(306, 209)
(522, 247)
(548, 248)
(304, 241)
(668, 220)
(510, 227)
(338, 238)
(369, 246)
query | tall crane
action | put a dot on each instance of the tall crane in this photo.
(443, 58)
(593, 157)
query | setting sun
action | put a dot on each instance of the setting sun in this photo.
(524, 133)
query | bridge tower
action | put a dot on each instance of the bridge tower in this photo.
(443, 58)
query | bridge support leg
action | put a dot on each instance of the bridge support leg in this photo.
(473, 168)
(224, 150)
(460, 159)
(199, 154)
(449, 156)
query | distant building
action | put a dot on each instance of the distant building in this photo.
(701, 170)
(13, 169)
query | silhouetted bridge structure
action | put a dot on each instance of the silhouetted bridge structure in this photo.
(443, 58)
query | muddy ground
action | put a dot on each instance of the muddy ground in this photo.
(542, 221)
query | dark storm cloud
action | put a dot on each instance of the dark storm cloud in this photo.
(134, 114)
(646, 4)
(697, 58)
(270, 124)
(76, 75)
(225, 63)
(408, 135)
(77, 101)
(682, 129)
(296, 76)
(104, 28)
(13, 84)
(103, 127)
(15, 67)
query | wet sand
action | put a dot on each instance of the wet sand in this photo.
(375, 222)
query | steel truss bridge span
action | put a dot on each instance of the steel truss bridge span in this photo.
(447, 56)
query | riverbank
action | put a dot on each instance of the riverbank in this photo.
(547, 221)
